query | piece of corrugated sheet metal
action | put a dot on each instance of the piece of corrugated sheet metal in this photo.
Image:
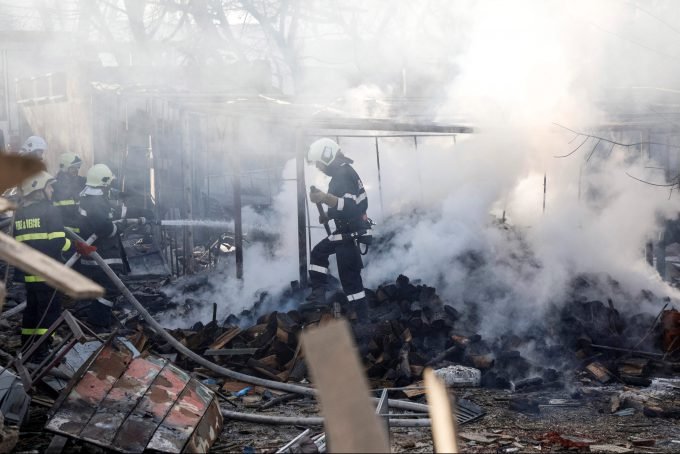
(89, 391)
(137, 430)
(129, 404)
(121, 400)
(178, 426)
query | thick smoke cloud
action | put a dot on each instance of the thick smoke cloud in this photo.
(520, 67)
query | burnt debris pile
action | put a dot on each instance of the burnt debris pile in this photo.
(406, 327)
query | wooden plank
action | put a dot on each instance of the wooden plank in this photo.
(417, 389)
(121, 400)
(225, 338)
(139, 427)
(439, 406)
(179, 424)
(598, 371)
(349, 416)
(81, 403)
(55, 274)
(263, 369)
(14, 169)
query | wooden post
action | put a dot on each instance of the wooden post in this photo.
(443, 422)
(377, 158)
(187, 167)
(349, 417)
(545, 189)
(301, 206)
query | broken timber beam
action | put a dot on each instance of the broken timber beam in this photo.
(352, 425)
(56, 275)
(443, 423)
(14, 169)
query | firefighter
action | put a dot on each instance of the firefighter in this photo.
(96, 216)
(34, 146)
(37, 223)
(347, 204)
(68, 187)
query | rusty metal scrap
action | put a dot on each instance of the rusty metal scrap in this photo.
(129, 403)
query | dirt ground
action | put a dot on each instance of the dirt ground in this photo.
(506, 429)
(499, 430)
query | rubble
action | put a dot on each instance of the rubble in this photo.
(459, 376)
(399, 337)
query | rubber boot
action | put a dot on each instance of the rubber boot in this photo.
(317, 297)
(99, 316)
(360, 307)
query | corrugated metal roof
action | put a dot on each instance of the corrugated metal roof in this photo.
(130, 403)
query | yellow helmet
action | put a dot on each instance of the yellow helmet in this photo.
(99, 175)
(36, 183)
(67, 160)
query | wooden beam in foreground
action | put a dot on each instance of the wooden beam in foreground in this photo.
(14, 169)
(55, 274)
(443, 423)
(349, 416)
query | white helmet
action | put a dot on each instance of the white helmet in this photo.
(32, 145)
(67, 160)
(99, 175)
(323, 150)
(36, 183)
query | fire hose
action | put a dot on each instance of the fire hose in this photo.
(179, 347)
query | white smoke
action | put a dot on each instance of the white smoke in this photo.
(520, 67)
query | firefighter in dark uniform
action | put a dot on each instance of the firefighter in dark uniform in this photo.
(96, 216)
(68, 187)
(347, 205)
(37, 223)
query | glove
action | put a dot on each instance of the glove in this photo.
(85, 249)
(323, 218)
(317, 196)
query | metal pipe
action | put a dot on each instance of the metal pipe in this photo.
(377, 158)
(201, 360)
(545, 188)
(301, 208)
(311, 421)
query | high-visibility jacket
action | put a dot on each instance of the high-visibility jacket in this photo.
(39, 226)
(67, 190)
(96, 215)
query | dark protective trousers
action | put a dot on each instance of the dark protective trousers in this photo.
(43, 308)
(349, 266)
(100, 312)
